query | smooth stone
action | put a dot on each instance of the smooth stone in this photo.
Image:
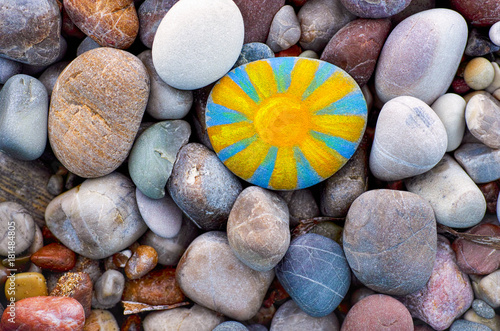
(95, 111)
(481, 115)
(108, 289)
(200, 98)
(309, 54)
(258, 327)
(37, 241)
(329, 230)
(410, 139)
(360, 293)
(481, 162)
(378, 312)
(285, 29)
(87, 44)
(50, 75)
(183, 319)
(25, 285)
(479, 44)
(197, 42)
(375, 9)
(153, 156)
(289, 317)
(494, 33)
(231, 326)
(203, 188)
(97, 218)
(482, 13)
(162, 216)
(24, 106)
(389, 241)
(487, 288)
(170, 250)
(20, 40)
(490, 191)
(301, 205)
(158, 287)
(36, 70)
(21, 224)
(429, 70)
(415, 6)
(450, 108)
(483, 309)
(319, 21)
(479, 73)
(455, 198)
(228, 286)
(356, 47)
(258, 228)
(9, 68)
(150, 14)
(495, 85)
(258, 16)
(165, 102)
(464, 325)
(76, 285)
(46, 313)
(340, 190)
(110, 24)
(474, 258)
(252, 52)
(492, 323)
(142, 261)
(54, 257)
(314, 271)
(102, 320)
(447, 294)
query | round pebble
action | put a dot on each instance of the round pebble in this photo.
(481, 113)
(22, 226)
(289, 317)
(195, 318)
(494, 33)
(375, 9)
(86, 45)
(108, 289)
(450, 108)
(197, 42)
(285, 29)
(301, 205)
(252, 52)
(483, 309)
(231, 326)
(479, 73)
(142, 261)
(495, 85)
(492, 323)
(101, 319)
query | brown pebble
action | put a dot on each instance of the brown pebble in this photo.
(490, 191)
(142, 261)
(54, 257)
(76, 285)
(132, 323)
(120, 259)
(100, 320)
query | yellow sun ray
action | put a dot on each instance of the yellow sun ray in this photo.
(284, 175)
(262, 77)
(253, 156)
(225, 135)
(333, 89)
(303, 74)
(322, 159)
(348, 127)
(228, 94)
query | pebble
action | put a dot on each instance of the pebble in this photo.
(25, 285)
(231, 326)
(495, 85)
(480, 114)
(487, 288)
(483, 309)
(301, 204)
(110, 24)
(289, 317)
(494, 33)
(447, 294)
(285, 29)
(24, 107)
(378, 312)
(132, 323)
(429, 70)
(203, 187)
(158, 287)
(9, 68)
(24, 227)
(492, 323)
(410, 139)
(319, 21)
(37, 241)
(257, 229)
(455, 198)
(21, 41)
(375, 9)
(54, 257)
(356, 47)
(98, 218)
(200, 98)
(464, 325)
(228, 286)
(88, 266)
(197, 43)
(101, 320)
(95, 111)
(309, 54)
(479, 161)
(479, 44)
(315, 273)
(165, 102)
(153, 155)
(415, 6)
(45, 313)
(251, 52)
(483, 13)
(142, 261)
(479, 73)
(108, 289)
(389, 241)
(258, 16)
(196, 318)
(49, 77)
(450, 108)
(150, 14)
(87, 44)
(76, 285)
(474, 258)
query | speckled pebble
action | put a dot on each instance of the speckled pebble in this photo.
(252, 52)
(464, 325)
(487, 288)
(483, 309)
(285, 29)
(101, 320)
(492, 323)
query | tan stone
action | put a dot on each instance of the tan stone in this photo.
(101, 320)
(25, 285)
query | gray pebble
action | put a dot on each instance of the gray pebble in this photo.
(108, 289)
(15, 221)
(289, 317)
(231, 326)
(301, 205)
(464, 325)
(483, 309)
(50, 75)
(481, 162)
(285, 29)
(150, 14)
(482, 116)
(252, 52)
(9, 68)
(86, 45)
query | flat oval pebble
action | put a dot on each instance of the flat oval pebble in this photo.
(153, 155)
(429, 70)
(410, 139)
(24, 106)
(390, 241)
(76, 285)
(202, 187)
(197, 42)
(108, 288)
(109, 23)
(231, 326)
(483, 309)
(315, 273)
(25, 285)
(54, 257)
(482, 13)
(481, 115)
(98, 218)
(95, 111)
(289, 317)
(378, 312)
(183, 319)
(21, 224)
(252, 52)
(20, 41)
(228, 286)
(375, 9)
(464, 325)
(257, 17)
(277, 124)
(450, 108)
(150, 14)
(101, 320)
(257, 228)
(285, 29)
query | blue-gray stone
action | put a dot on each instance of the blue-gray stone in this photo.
(9, 68)
(252, 52)
(24, 107)
(483, 309)
(481, 162)
(153, 155)
(257, 327)
(464, 325)
(314, 271)
(230, 326)
(86, 45)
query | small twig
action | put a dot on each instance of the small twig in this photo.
(485, 240)
(132, 307)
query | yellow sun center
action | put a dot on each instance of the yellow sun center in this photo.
(282, 121)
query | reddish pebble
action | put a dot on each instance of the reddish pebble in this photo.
(295, 50)
(69, 29)
(54, 257)
(490, 191)
(142, 261)
(76, 285)
(44, 313)
(459, 86)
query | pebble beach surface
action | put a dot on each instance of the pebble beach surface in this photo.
(255, 165)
